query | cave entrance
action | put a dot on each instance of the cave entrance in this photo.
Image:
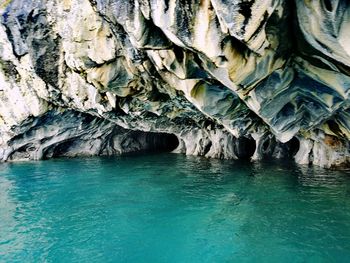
(293, 146)
(245, 148)
(157, 142)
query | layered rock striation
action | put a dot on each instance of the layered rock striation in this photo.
(224, 79)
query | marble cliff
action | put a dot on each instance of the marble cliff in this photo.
(224, 79)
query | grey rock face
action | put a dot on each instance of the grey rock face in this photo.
(230, 79)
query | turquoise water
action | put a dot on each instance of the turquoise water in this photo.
(172, 208)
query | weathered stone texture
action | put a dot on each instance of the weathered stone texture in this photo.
(231, 79)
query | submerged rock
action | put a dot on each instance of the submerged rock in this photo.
(223, 79)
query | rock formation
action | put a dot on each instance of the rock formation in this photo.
(224, 79)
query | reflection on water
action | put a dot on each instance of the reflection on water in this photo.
(172, 208)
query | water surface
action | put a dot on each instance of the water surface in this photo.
(172, 208)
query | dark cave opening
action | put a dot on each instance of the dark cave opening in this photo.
(156, 142)
(334, 127)
(293, 146)
(60, 149)
(134, 142)
(245, 148)
(265, 145)
(207, 148)
(328, 5)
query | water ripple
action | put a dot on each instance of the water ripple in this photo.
(172, 208)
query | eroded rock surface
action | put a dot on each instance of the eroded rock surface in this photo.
(230, 79)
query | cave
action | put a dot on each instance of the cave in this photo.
(334, 127)
(133, 142)
(265, 145)
(60, 149)
(156, 142)
(328, 5)
(293, 146)
(245, 148)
